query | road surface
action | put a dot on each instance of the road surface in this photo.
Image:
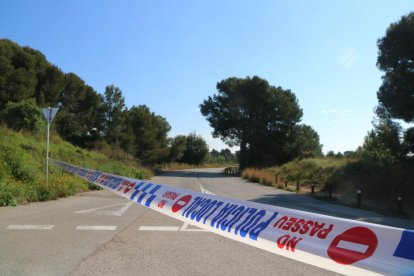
(100, 233)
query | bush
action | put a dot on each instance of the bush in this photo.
(23, 115)
(6, 197)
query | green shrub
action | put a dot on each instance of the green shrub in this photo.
(44, 193)
(23, 115)
(7, 198)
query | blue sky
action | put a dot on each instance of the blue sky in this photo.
(169, 55)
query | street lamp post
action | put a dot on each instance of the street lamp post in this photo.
(49, 114)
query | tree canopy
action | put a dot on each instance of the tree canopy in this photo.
(86, 118)
(261, 118)
(396, 93)
(396, 59)
(196, 149)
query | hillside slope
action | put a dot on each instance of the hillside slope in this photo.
(22, 168)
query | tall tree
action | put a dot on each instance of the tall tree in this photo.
(258, 117)
(17, 73)
(150, 134)
(115, 128)
(80, 117)
(396, 59)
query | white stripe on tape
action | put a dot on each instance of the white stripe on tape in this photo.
(341, 245)
(361, 248)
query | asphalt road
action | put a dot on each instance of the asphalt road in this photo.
(100, 233)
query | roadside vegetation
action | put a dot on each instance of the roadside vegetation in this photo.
(22, 167)
(339, 179)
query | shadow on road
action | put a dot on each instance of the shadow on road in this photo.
(188, 173)
(309, 204)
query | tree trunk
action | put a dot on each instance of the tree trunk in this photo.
(243, 157)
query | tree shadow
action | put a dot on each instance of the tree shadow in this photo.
(310, 204)
(193, 174)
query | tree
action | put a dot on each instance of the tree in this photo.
(196, 150)
(258, 117)
(330, 153)
(80, 117)
(177, 148)
(150, 135)
(227, 155)
(408, 143)
(396, 59)
(17, 73)
(383, 142)
(115, 128)
(50, 79)
(305, 142)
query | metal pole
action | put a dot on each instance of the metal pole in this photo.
(49, 114)
(47, 147)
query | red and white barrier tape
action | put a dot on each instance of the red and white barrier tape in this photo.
(341, 245)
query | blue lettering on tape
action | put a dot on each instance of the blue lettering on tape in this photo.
(405, 248)
(142, 192)
(249, 222)
(94, 176)
(156, 188)
(149, 200)
(137, 190)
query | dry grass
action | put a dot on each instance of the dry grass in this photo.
(259, 176)
(182, 166)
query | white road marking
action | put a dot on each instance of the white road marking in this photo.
(183, 228)
(204, 191)
(118, 213)
(96, 227)
(30, 227)
(159, 228)
(357, 247)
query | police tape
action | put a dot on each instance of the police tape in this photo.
(341, 245)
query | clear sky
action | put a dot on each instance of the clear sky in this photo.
(169, 55)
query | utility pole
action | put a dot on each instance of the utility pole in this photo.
(49, 114)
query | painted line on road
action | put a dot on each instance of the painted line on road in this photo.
(159, 228)
(183, 228)
(96, 227)
(204, 191)
(30, 227)
(118, 213)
